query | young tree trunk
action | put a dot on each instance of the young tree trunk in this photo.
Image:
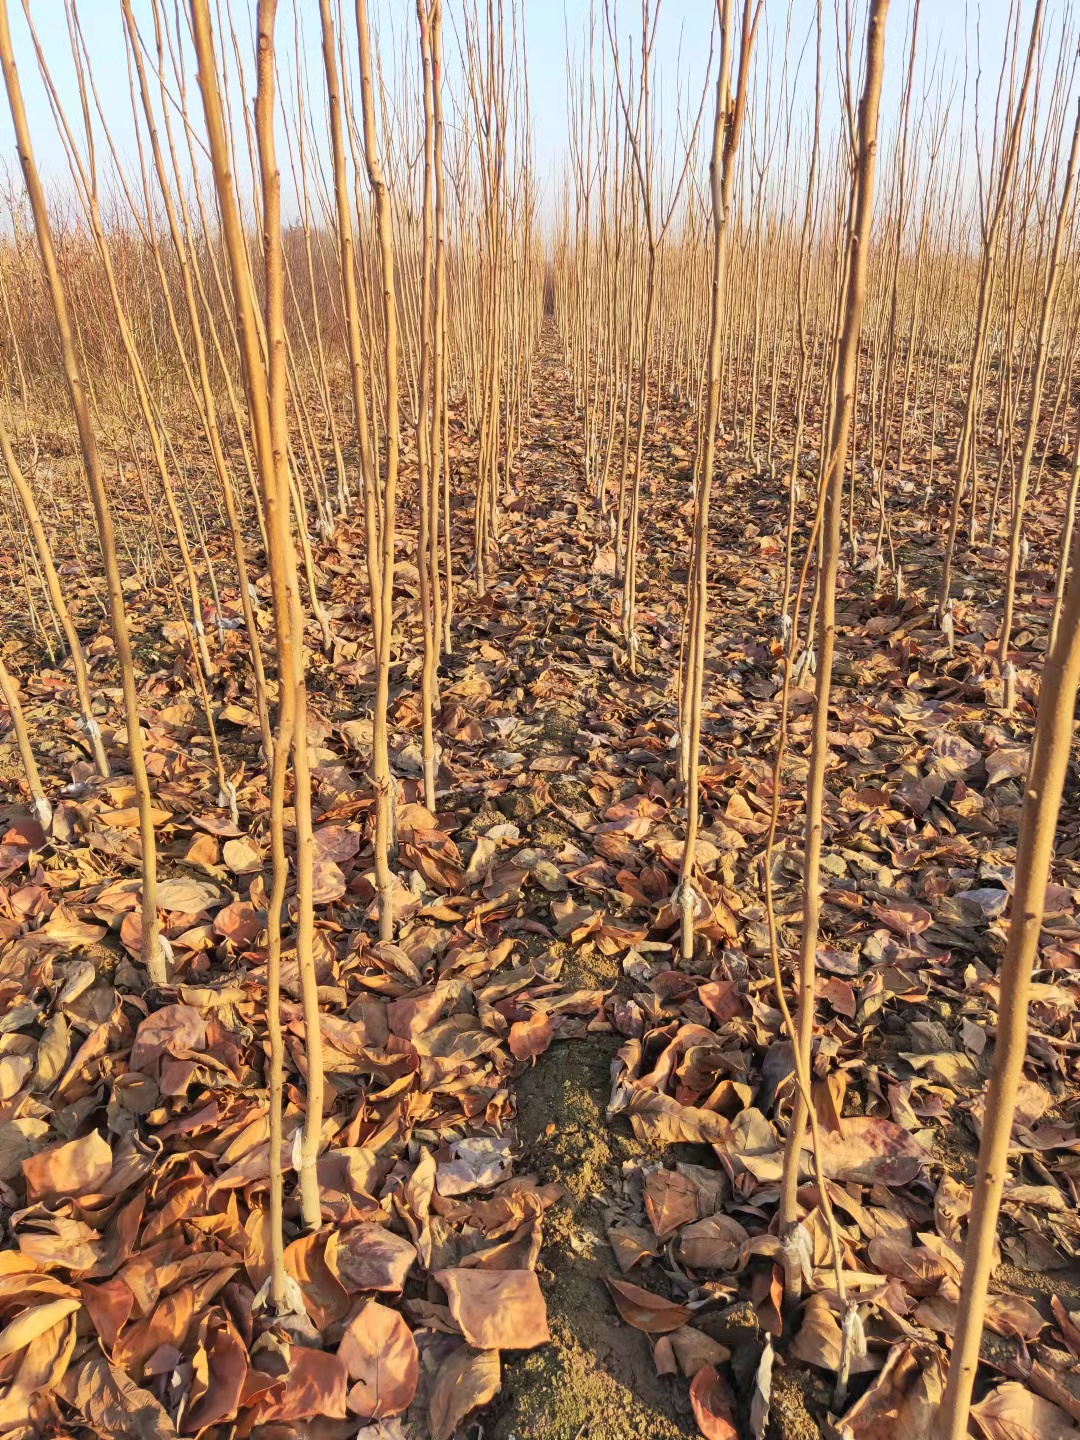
(439, 457)
(832, 484)
(266, 406)
(727, 124)
(424, 411)
(384, 780)
(1054, 728)
(966, 445)
(39, 804)
(1065, 551)
(357, 359)
(152, 954)
(25, 493)
(203, 397)
(1038, 376)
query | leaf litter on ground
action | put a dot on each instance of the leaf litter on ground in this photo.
(134, 1137)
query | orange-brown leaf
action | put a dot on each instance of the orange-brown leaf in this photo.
(714, 1408)
(496, 1309)
(380, 1355)
(644, 1310)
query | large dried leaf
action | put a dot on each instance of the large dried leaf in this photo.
(167, 1324)
(1004, 1314)
(496, 1309)
(530, 1038)
(370, 1257)
(631, 1244)
(315, 1384)
(42, 1367)
(240, 922)
(381, 1357)
(871, 1151)
(466, 1380)
(34, 1321)
(188, 896)
(325, 1298)
(328, 882)
(714, 1405)
(226, 1375)
(113, 1404)
(903, 916)
(714, 1243)
(905, 1398)
(693, 1349)
(53, 1052)
(127, 817)
(662, 1120)
(1013, 1412)
(819, 1339)
(644, 1310)
(77, 1167)
(172, 1030)
(918, 1268)
(241, 856)
(671, 1200)
(109, 1306)
(477, 1163)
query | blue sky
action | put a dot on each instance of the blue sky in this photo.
(948, 30)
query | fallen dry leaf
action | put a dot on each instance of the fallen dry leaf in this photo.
(714, 1406)
(671, 1200)
(465, 1380)
(381, 1357)
(905, 1398)
(715, 1243)
(530, 1038)
(369, 1257)
(819, 1339)
(34, 1321)
(78, 1167)
(644, 1310)
(496, 1309)
(693, 1349)
(631, 1244)
(871, 1151)
(314, 1384)
(1012, 1412)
